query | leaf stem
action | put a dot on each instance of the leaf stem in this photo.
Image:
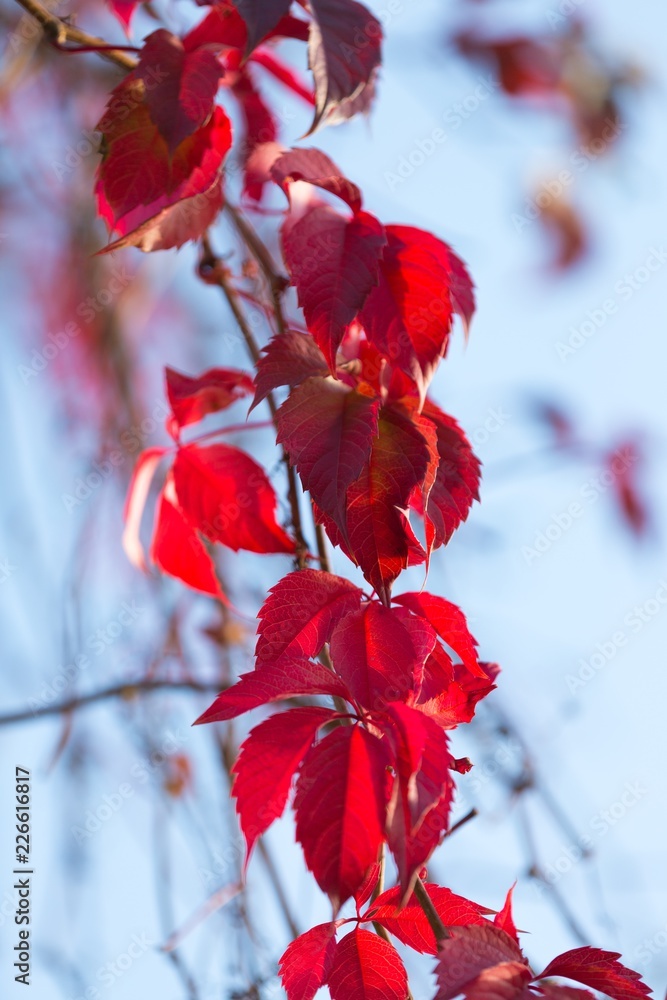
(426, 903)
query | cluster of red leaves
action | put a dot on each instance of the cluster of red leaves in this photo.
(215, 490)
(371, 448)
(164, 139)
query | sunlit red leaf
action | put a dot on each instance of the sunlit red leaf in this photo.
(227, 496)
(137, 494)
(340, 805)
(307, 962)
(191, 399)
(300, 613)
(273, 683)
(504, 918)
(410, 924)
(267, 761)
(449, 692)
(380, 653)
(333, 262)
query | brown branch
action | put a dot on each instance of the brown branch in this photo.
(277, 282)
(127, 691)
(59, 33)
(426, 903)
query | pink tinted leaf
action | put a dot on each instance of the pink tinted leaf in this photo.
(450, 624)
(267, 761)
(300, 613)
(473, 951)
(135, 502)
(315, 167)
(365, 967)
(176, 548)
(272, 683)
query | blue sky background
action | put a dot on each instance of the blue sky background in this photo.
(598, 747)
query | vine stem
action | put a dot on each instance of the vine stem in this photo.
(213, 271)
(60, 33)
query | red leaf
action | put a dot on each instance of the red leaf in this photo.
(273, 683)
(191, 399)
(155, 197)
(483, 963)
(137, 494)
(340, 808)
(409, 923)
(449, 692)
(315, 167)
(307, 962)
(228, 497)
(379, 537)
(450, 624)
(367, 968)
(504, 918)
(600, 970)
(456, 482)
(261, 17)
(327, 430)
(299, 615)
(223, 27)
(344, 52)
(423, 788)
(177, 549)
(409, 315)
(266, 765)
(180, 86)
(124, 11)
(554, 991)
(288, 359)
(333, 261)
(368, 886)
(380, 653)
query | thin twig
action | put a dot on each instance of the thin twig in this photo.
(277, 282)
(213, 271)
(127, 691)
(426, 903)
(60, 33)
